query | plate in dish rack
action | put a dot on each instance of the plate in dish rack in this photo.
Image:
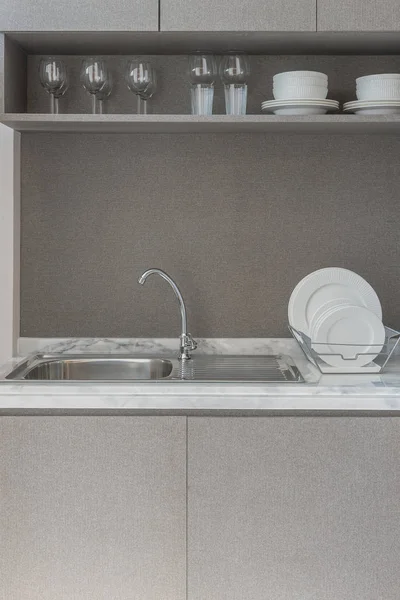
(348, 333)
(373, 107)
(300, 107)
(325, 285)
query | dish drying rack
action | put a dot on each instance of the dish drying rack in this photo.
(379, 355)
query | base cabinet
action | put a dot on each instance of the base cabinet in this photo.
(223, 508)
(289, 508)
(93, 508)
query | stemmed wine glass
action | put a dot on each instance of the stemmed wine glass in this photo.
(96, 80)
(54, 79)
(234, 71)
(202, 73)
(141, 80)
(104, 94)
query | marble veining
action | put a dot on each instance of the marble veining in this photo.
(156, 346)
(320, 393)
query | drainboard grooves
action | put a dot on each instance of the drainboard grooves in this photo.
(239, 368)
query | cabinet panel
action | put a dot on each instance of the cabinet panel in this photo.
(78, 15)
(358, 15)
(284, 508)
(92, 508)
(233, 15)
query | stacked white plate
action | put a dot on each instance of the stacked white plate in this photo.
(377, 95)
(342, 316)
(300, 93)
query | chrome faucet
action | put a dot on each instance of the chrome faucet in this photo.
(187, 343)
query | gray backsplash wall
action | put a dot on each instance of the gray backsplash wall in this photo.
(237, 220)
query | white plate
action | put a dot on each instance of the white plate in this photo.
(323, 309)
(373, 107)
(300, 107)
(324, 285)
(353, 335)
(302, 101)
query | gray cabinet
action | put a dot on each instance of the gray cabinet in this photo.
(78, 15)
(358, 15)
(235, 15)
(92, 508)
(284, 508)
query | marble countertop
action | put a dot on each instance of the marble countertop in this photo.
(320, 394)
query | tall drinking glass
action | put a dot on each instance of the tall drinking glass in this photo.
(202, 73)
(234, 72)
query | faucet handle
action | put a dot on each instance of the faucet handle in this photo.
(187, 344)
(192, 344)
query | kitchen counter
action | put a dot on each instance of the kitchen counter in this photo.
(325, 394)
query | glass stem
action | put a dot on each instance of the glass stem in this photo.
(144, 106)
(56, 105)
(52, 104)
(139, 105)
(100, 107)
(94, 104)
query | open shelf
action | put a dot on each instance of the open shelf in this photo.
(113, 123)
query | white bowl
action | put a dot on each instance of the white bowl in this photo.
(381, 89)
(302, 75)
(300, 82)
(286, 92)
(378, 76)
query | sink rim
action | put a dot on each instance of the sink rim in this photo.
(180, 373)
(27, 365)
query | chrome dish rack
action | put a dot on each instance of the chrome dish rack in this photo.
(316, 351)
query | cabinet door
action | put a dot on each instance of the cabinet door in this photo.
(235, 15)
(358, 15)
(78, 15)
(92, 508)
(284, 508)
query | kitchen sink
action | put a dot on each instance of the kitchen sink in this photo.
(85, 368)
(206, 368)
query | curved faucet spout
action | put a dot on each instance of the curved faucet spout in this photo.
(187, 343)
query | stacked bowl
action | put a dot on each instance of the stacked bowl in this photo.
(300, 93)
(307, 85)
(378, 87)
(376, 95)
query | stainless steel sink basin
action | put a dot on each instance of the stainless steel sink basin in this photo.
(93, 369)
(90, 367)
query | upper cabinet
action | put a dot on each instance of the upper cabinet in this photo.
(358, 15)
(78, 15)
(235, 15)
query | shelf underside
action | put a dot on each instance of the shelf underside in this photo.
(113, 123)
(182, 42)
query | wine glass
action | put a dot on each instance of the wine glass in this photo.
(54, 79)
(141, 80)
(104, 94)
(202, 74)
(96, 80)
(234, 72)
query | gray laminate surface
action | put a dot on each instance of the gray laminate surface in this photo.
(286, 508)
(238, 220)
(93, 508)
(358, 15)
(78, 15)
(233, 15)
